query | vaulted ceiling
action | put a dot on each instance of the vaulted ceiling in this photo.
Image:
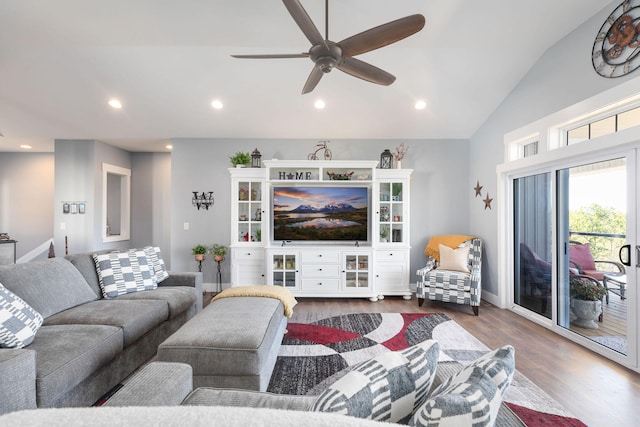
(62, 60)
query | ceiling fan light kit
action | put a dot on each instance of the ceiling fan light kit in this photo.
(327, 55)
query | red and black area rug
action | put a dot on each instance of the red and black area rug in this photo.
(319, 349)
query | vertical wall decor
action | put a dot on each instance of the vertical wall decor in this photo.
(202, 200)
(487, 200)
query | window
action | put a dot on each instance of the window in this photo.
(606, 126)
(530, 149)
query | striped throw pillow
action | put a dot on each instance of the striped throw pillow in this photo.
(124, 272)
(19, 322)
(473, 396)
(389, 387)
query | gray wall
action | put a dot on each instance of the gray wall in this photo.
(78, 178)
(151, 201)
(26, 198)
(562, 77)
(439, 188)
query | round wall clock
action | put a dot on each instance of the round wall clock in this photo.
(616, 50)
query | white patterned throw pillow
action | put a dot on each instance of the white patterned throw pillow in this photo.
(472, 396)
(155, 257)
(124, 272)
(389, 387)
(19, 322)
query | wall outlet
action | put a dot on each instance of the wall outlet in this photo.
(63, 226)
(186, 225)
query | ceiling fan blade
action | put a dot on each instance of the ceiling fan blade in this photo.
(304, 22)
(273, 56)
(365, 71)
(312, 80)
(382, 35)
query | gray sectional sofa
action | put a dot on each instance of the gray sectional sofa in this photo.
(87, 344)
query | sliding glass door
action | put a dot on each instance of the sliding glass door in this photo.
(595, 214)
(533, 239)
(576, 253)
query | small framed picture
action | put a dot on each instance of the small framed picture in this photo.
(65, 208)
(81, 208)
(74, 208)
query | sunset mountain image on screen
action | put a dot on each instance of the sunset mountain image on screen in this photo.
(320, 213)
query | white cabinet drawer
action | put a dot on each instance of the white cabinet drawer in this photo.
(321, 285)
(241, 253)
(391, 256)
(320, 270)
(317, 257)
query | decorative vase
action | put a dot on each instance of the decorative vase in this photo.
(199, 257)
(218, 258)
(398, 164)
(586, 313)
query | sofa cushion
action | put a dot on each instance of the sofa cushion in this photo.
(68, 354)
(18, 373)
(18, 321)
(209, 396)
(86, 265)
(123, 272)
(389, 387)
(135, 317)
(159, 268)
(473, 396)
(49, 286)
(178, 298)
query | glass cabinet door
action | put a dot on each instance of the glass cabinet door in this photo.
(357, 271)
(284, 270)
(249, 211)
(391, 212)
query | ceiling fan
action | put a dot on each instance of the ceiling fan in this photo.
(327, 54)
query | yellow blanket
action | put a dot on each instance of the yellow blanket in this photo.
(276, 292)
(451, 240)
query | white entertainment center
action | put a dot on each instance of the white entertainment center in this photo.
(303, 248)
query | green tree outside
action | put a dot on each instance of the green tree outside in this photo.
(599, 219)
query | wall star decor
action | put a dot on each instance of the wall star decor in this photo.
(487, 202)
(478, 189)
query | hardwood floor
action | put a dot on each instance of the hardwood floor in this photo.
(596, 390)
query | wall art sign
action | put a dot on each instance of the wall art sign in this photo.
(202, 200)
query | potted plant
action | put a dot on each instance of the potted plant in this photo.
(199, 251)
(241, 158)
(586, 300)
(384, 233)
(218, 252)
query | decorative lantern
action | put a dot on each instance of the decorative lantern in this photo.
(386, 159)
(255, 159)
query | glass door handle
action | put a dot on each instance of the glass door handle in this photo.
(627, 250)
(637, 256)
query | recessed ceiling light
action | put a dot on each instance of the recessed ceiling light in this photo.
(217, 104)
(420, 105)
(115, 103)
(26, 146)
(169, 147)
(319, 104)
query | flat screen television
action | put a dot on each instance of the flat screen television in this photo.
(320, 213)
